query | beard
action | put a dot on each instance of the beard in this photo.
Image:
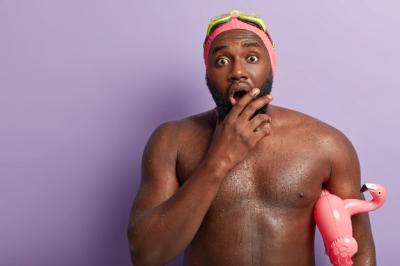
(223, 104)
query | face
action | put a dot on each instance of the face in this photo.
(238, 62)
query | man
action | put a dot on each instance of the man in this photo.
(237, 185)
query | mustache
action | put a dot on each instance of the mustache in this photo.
(223, 103)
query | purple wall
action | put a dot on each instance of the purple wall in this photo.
(84, 83)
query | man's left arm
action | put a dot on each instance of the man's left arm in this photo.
(345, 182)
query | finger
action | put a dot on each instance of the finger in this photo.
(243, 102)
(258, 121)
(262, 131)
(251, 108)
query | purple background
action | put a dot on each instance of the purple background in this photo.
(84, 83)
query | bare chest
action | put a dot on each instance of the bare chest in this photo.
(285, 172)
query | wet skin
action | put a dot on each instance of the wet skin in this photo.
(257, 211)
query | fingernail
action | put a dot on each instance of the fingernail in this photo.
(269, 96)
(255, 91)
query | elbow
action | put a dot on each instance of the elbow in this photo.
(140, 255)
(143, 258)
(140, 258)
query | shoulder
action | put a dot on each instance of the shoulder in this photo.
(171, 133)
(329, 138)
(201, 121)
(161, 141)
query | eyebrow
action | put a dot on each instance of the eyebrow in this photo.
(251, 44)
(216, 49)
(246, 44)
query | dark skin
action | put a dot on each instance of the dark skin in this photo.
(236, 191)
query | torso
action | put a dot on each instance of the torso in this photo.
(263, 212)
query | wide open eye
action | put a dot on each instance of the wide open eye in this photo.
(252, 59)
(222, 61)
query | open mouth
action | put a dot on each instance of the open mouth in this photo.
(239, 94)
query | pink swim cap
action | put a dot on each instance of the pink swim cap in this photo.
(235, 23)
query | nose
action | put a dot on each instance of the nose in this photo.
(238, 72)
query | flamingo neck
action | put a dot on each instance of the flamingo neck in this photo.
(355, 206)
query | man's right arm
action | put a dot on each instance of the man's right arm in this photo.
(166, 217)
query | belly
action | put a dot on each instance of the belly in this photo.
(253, 233)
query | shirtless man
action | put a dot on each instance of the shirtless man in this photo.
(236, 185)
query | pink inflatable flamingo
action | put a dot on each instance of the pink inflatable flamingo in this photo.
(333, 218)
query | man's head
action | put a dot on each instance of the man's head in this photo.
(239, 56)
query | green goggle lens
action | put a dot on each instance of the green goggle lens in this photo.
(244, 17)
(252, 18)
(217, 22)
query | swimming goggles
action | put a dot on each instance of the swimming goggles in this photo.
(244, 17)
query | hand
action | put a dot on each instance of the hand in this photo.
(236, 135)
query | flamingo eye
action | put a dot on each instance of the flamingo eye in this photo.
(379, 192)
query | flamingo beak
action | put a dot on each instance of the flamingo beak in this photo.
(368, 186)
(363, 188)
